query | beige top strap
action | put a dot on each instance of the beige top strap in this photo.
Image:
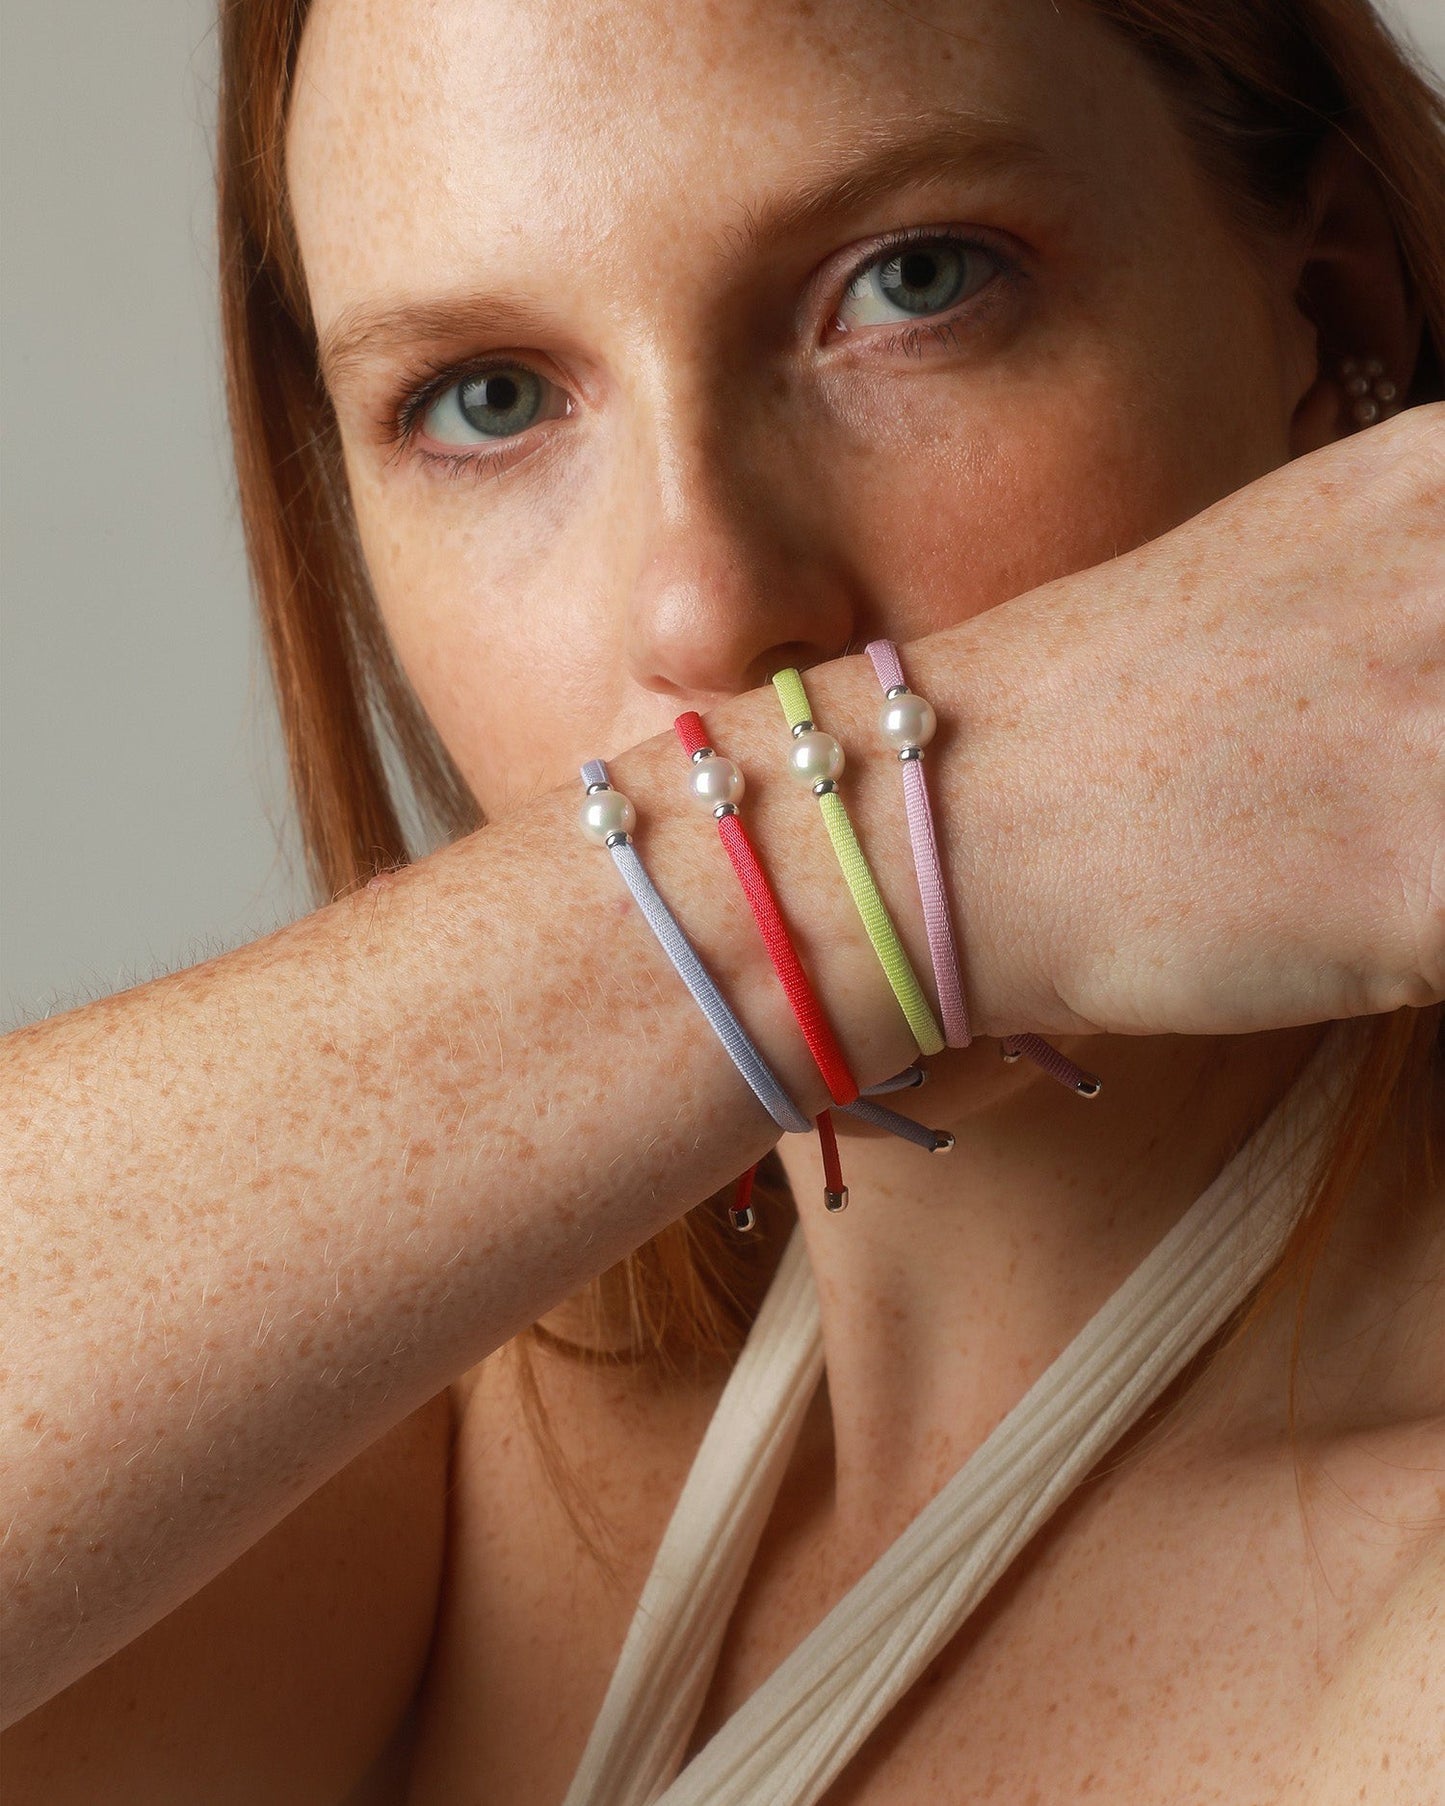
(787, 1744)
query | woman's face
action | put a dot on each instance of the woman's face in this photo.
(673, 344)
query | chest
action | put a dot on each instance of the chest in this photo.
(1169, 1637)
(1157, 1643)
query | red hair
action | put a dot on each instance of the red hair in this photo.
(1257, 84)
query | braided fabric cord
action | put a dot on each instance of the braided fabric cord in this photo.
(938, 918)
(817, 1030)
(872, 911)
(878, 925)
(903, 1127)
(1048, 1059)
(932, 893)
(699, 981)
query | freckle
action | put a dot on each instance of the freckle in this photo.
(1302, 703)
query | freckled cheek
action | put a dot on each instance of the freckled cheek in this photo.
(509, 646)
(992, 502)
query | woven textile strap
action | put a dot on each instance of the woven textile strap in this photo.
(667, 1661)
(872, 911)
(796, 1734)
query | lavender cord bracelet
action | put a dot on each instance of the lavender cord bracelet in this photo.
(908, 723)
(608, 819)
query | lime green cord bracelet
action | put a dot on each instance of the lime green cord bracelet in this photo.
(816, 759)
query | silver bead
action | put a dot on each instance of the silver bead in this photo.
(713, 781)
(942, 1142)
(606, 813)
(814, 756)
(1088, 1087)
(907, 720)
(835, 1200)
(910, 752)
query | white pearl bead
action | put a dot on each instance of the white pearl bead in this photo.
(1385, 391)
(907, 720)
(1366, 412)
(607, 812)
(713, 781)
(814, 756)
(1357, 385)
(1373, 367)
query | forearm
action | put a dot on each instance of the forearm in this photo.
(267, 1206)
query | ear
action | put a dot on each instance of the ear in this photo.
(1352, 297)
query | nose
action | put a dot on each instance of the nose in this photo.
(738, 576)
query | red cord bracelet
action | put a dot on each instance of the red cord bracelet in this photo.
(817, 1031)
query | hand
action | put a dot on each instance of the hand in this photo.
(1207, 795)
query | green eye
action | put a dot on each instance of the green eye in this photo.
(915, 282)
(493, 404)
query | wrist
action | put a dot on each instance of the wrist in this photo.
(680, 842)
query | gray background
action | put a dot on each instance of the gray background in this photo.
(144, 820)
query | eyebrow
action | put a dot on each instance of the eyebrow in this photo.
(364, 330)
(937, 145)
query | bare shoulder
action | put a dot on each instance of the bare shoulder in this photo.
(281, 1680)
(564, 1477)
(1380, 1733)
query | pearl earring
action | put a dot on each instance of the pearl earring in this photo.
(1370, 391)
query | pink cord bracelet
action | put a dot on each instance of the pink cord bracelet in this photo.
(908, 723)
